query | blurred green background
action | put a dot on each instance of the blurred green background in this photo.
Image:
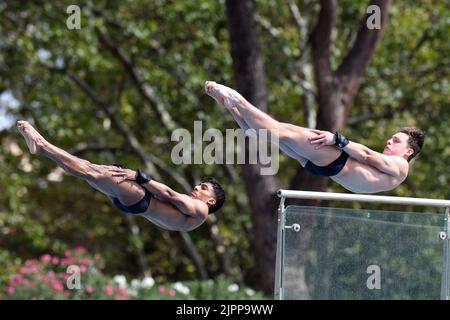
(135, 71)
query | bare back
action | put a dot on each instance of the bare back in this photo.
(362, 178)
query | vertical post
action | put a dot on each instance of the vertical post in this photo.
(278, 291)
(445, 279)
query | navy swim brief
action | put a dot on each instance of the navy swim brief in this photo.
(139, 207)
(330, 170)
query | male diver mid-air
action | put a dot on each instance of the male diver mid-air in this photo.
(134, 191)
(354, 166)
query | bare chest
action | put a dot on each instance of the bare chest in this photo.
(158, 207)
(362, 178)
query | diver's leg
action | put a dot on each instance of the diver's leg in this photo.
(292, 136)
(98, 176)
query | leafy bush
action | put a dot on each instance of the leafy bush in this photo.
(53, 277)
(9, 264)
(220, 288)
(78, 275)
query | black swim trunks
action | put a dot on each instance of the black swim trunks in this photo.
(330, 170)
(136, 208)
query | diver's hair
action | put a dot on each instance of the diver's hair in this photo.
(219, 194)
(415, 140)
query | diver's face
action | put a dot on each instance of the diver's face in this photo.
(204, 192)
(398, 145)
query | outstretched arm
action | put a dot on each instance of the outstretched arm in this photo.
(185, 204)
(391, 165)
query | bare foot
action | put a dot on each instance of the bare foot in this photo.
(226, 97)
(34, 140)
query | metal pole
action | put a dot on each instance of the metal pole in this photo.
(445, 279)
(278, 292)
(294, 194)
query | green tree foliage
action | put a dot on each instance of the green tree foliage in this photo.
(147, 62)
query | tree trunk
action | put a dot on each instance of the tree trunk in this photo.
(248, 66)
(336, 90)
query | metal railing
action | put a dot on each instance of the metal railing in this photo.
(294, 194)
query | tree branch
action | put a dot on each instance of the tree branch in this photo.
(320, 38)
(356, 60)
(172, 173)
(354, 121)
(120, 126)
(196, 257)
(154, 44)
(84, 147)
(226, 260)
(304, 75)
(299, 20)
(139, 245)
(147, 92)
(265, 23)
(405, 106)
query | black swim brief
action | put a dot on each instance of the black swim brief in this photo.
(136, 208)
(330, 170)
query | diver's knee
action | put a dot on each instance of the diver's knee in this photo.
(285, 133)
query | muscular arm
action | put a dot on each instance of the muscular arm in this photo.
(182, 202)
(390, 165)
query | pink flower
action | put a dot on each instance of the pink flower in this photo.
(55, 260)
(65, 276)
(10, 290)
(161, 289)
(171, 292)
(89, 290)
(84, 262)
(30, 263)
(83, 269)
(97, 256)
(122, 292)
(109, 291)
(80, 250)
(46, 258)
(58, 286)
(68, 253)
(17, 278)
(67, 262)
